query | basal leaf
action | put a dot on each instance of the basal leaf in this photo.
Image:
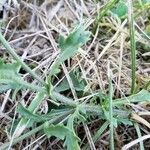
(70, 124)
(70, 142)
(38, 117)
(27, 114)
(62, 133)
(142, 96)
(9, 78)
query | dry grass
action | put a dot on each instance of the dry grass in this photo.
(33, 28)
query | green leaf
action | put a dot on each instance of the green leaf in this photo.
(69, 46)
(79, 84)
(121, 9)
(72, 43)
(9, 77)
(69, 142)
(62, 133)
(4, 88)
(142, 96)
(38, 117)
(70, 124)
(27, 114)
(125, 121)
(59, 131)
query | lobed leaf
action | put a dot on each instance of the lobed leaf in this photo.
(38, 117)
(9, 77)
(142, 96)
(69, 46)
(62, 133)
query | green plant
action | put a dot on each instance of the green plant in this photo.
(61, 120)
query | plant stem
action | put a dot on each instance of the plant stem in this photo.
(133, 44)
(56, 95)
(98, 111)
(112, 146)
(136, 125)
(32, 86)
(18, 59)
(63, 99)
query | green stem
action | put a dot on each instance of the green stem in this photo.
(112, 146)
(33, 87)
(63, 99)
(56, 95)
(13, 53)
(136, 125)
(133, 45)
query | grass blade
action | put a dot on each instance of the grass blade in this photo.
(132, 44)
(112, 146)
(136, 125)
(100, 131)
